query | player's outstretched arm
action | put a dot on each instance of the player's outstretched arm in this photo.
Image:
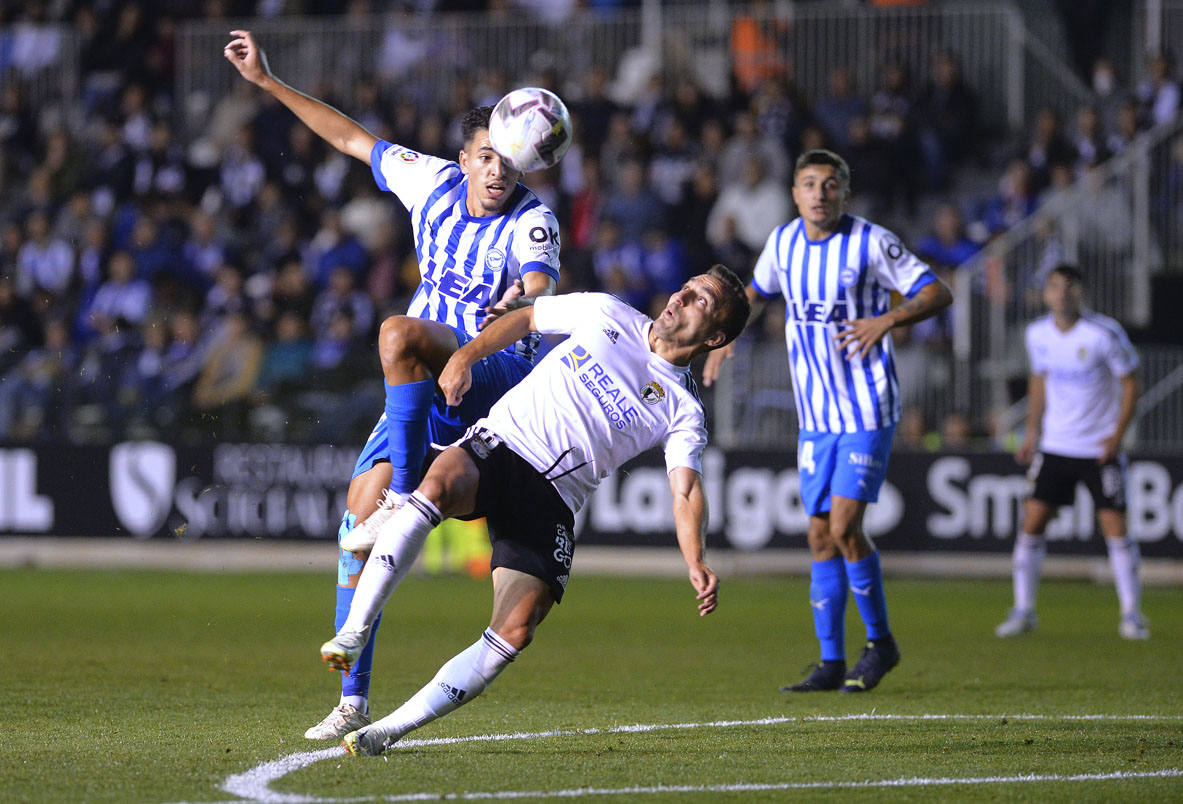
(521, 293)
(858, 337)
(456, 378)
(338, 130)
(690, 522)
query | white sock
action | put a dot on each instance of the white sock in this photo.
(1124, 559)
(462, 678)
(361, 702)
(1027, 565)
(398, 545)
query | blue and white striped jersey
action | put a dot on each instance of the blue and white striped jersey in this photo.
(465, 262)
(846, 276)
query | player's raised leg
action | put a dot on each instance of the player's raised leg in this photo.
(413, 351)
(371, 476)
(520, 602)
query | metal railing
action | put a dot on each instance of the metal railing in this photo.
(428, 59)
(1122, 223)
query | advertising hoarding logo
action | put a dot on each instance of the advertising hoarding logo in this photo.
(143, 475)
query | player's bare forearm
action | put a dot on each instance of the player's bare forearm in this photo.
(331, 125)
(520, 294)
(690, 523)
(1036, 401)
(930, 300)
(858, 337)
(1130, 391)
(456, 378)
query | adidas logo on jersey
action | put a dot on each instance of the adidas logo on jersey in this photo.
(612, 334)
(454, 693)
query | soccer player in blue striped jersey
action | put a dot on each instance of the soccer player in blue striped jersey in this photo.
(485, 243)
(836, 273)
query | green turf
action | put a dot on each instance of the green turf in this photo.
(155, 687)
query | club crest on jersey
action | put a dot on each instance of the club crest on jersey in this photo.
(1082, 354)
(848, 276)
(494, 259)
(652, 392)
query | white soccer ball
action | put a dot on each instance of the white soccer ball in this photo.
(530, 129)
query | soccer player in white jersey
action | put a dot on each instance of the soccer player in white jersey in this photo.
(484, 243)
(618, 385)
(1081, 396)
(836, 273)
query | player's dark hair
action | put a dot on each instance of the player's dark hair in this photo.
(821, 156)
(1069, 272)
(473, 121)
(736, 308)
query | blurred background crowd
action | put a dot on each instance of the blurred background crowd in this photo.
(229, 281)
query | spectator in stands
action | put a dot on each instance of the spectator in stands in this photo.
(1045, 147)
(689, 220)
(142, 386)
(341, 293)
(633, 207)
(31, 393)
(1159, 92)
(618, 264)
(286, 363)
(746, 213)
(1108, 94)
(102, 365)
(947, 246)
(332, 247)
(1089, 140)
(780, 109)
(591, 112)
(43, 263)
(746, 140)
(1127, 126)
(672, 164)
(840, 105)
(948, 119)
(1016, 199)
(890, 119)
(228, 376)
(123, 296)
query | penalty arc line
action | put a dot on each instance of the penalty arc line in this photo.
(255, 784)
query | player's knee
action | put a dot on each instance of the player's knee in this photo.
(397, 338)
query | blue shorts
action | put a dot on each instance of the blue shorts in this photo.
(847, 464)
(491, 378)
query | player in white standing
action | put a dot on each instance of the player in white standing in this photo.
(620, 384)
(484, 243)
(1081, 396)
(836, 273)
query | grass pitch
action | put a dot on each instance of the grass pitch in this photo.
(160, 687)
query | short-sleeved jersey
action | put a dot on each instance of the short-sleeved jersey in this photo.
(846, 276)
(599, 398)
(1081, 369)
(465, 262)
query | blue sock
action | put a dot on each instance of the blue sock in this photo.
(866, 581)
(407, 407)
(357, 680)
(827, 598)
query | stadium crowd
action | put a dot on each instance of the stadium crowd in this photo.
(232, 280)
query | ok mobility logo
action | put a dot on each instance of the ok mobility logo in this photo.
(613, 401)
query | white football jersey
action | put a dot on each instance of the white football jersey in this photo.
(1081, 369)
(465, 262)
(848, 275)
(598, 399)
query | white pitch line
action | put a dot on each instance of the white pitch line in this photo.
(255, 784)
